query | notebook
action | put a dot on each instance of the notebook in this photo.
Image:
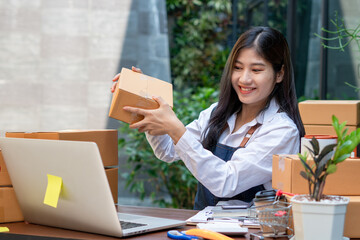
(85, 202)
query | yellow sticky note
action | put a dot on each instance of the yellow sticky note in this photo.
(4, 229)
(53, 190)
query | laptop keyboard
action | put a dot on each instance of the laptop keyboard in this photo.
(127, 225)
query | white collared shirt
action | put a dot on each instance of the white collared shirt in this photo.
(248, 167)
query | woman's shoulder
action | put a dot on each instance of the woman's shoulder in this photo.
(281, 119)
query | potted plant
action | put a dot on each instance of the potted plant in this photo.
(319, 216)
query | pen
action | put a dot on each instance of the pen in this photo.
(227, 219)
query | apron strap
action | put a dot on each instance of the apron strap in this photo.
(249, 134)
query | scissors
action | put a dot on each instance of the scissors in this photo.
(174, 234)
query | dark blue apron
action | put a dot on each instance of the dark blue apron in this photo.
(205, 198)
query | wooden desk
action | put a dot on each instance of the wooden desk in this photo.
(22, 231)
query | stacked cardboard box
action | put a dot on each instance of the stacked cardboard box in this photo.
(105, 139)
(10, 209)
(286, 176)
(316, 116)
(345, 181)
(107, 143)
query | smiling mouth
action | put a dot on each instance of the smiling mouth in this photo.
(246, 90)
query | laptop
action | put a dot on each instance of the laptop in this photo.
(85, 202)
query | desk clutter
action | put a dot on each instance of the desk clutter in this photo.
(316, 116)
(269, 215)
(107, 144)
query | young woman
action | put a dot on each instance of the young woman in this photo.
(229, 147)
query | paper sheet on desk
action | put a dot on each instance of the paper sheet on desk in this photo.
(201, 216)
(206, 215)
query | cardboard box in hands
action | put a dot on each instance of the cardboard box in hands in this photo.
(136, 90)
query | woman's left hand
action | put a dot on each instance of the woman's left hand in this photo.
(158, 121)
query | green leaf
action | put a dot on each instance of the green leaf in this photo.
(341, 158)
(315, 145)
(326, 152)
(331, 169)
(307, 167)
(305, 175)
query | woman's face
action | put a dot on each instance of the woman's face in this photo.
(253, 78)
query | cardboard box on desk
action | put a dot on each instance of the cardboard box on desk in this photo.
(136, 90)
(9, 206)
(4, 175)
(106, 140)
(352, 218)
(321, 111)
(286, 176)
(112, 176)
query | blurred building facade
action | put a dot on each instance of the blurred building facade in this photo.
(57, 59)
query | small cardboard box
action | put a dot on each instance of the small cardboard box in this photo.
(352, 218)
(4, 175)
(286, 176)
(106, 140)
(136, 90)
(9, 207)
(321, 111)
(325, 129)
(112, 176)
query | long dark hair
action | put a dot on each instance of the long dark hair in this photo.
(272, 46)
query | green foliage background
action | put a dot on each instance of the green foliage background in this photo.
(199, 36)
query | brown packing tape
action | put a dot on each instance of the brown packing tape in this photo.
(282, 162)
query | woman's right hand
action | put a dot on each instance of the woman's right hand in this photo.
(117, 76)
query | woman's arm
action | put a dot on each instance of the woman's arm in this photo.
(163, 145)
(248, 167)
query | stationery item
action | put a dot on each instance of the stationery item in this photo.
(85, 203)
(237, 213)
(250, 223)
(224, 227)
(201, 217)
(234, 204)
(4, 229)
(53, 190)
(264, 197)
(174, 234)
(207, 234)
